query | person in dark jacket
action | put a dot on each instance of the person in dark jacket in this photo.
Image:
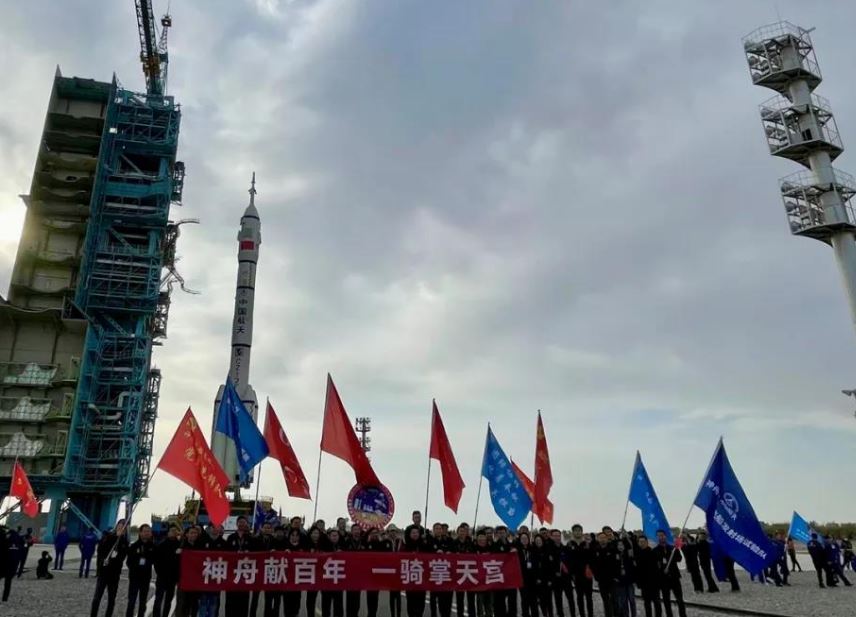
(464, 601)
(504, 600)
(331, 601)
(314, 544)
(290, 599)
(209, 601)
(166, 567)
(43, 565)
(647, 577)
(241, 541)
(818, 558)
(484, 599)
(563, 586)
(87, 545)
(667, 558)
(528, 591)
(140, 560)
(28, 543)
(704, 559)
(833, 563)
(61, 542)
(624, 576)
(353, 598)
(691, 558)
(187, 602)
(603, 562)
(394, 543)
(415, 543)
(375, 544)
(11, 550)
(110, 557)
(578, 553)
(543, 564)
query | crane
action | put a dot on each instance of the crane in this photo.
(153, 51)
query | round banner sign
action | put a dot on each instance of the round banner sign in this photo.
(371, 506)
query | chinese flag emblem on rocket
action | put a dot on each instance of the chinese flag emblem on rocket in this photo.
(22, 490)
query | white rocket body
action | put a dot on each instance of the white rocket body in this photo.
(249, 241)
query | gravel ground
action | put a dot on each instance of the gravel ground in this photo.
(69, 596)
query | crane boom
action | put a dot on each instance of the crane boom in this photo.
(153, 54)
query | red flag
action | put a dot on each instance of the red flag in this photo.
(338, 438)
(280, 449)
(188, 458)
(529, 487)
(22, 490)
(441, 450)
(543, 475)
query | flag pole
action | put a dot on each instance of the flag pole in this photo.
(481, 479)
(478, 496)
(428, 482)
(701, 484)
(321, 449)
(256, 500)
(627, 503)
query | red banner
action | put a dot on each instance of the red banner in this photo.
(279, 570)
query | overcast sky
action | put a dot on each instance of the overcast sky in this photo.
(504, 205)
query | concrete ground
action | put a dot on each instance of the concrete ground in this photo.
(69, 596)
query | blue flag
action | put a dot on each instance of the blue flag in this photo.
(258, 517)
(800, 530)
(642, 496)
(508, 495)
(731, 521)
(234, 421)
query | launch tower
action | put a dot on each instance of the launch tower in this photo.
(89, 297)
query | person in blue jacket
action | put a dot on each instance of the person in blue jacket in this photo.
(61, 542)
(87, 545)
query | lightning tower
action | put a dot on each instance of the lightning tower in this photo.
(799, 126)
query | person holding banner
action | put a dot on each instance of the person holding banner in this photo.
(464, 600)
(166, 567)
(415, 543)
(241, 541)
(331, 601)
(314, 544)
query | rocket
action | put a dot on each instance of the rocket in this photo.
(249, 240)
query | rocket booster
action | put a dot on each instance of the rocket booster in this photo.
(249, 241)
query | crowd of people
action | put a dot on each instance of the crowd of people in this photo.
(558, 574)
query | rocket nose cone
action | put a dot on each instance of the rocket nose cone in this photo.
(251, 211)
